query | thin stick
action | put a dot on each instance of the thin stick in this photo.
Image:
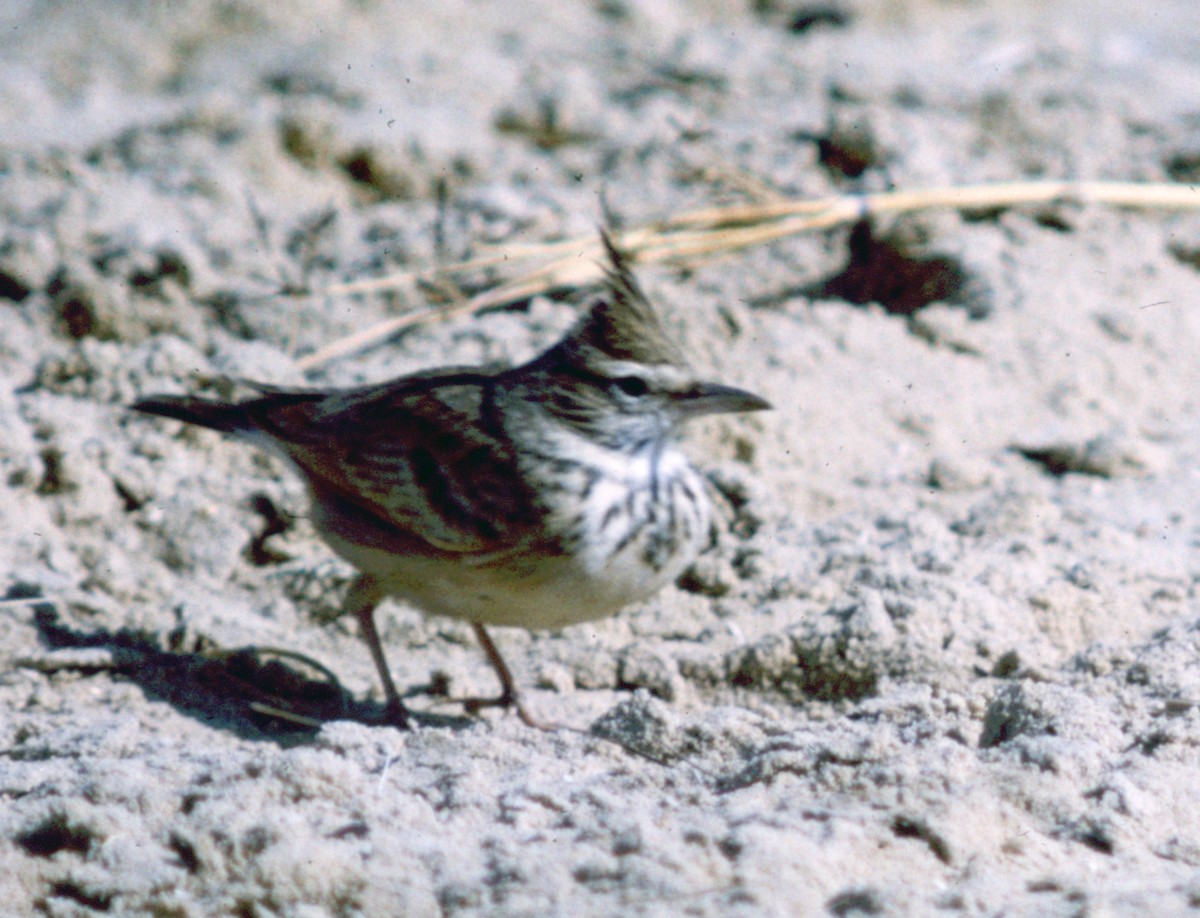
(221, 656)
(695, 234)
(291, 717)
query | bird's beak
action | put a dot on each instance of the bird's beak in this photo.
(713, 398)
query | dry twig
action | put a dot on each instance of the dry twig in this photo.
(696, 234)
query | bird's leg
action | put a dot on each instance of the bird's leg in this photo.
(364, 596)
(509, 696)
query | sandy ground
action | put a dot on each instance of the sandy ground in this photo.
(946, 655)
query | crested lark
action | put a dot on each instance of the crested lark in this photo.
(540, 496)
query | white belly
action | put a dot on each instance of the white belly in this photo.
(622, 544)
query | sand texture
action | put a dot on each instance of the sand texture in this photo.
(944, 658)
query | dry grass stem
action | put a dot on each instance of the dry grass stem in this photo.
(700, 233)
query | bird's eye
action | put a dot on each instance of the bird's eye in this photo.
(632, 385)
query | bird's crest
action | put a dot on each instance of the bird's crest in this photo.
(623, 325)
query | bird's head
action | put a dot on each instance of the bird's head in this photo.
(619, 379)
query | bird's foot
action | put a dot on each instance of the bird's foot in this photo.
(395, 714)
(507, 699)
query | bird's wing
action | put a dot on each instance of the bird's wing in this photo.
(420, 456)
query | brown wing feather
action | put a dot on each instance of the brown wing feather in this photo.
(419, 455)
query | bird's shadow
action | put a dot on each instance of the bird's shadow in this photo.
(255, 693)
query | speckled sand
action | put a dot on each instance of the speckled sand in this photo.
(924, 671)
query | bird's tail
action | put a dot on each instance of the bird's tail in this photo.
(223, 416)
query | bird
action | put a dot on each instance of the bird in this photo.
(538, 496)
